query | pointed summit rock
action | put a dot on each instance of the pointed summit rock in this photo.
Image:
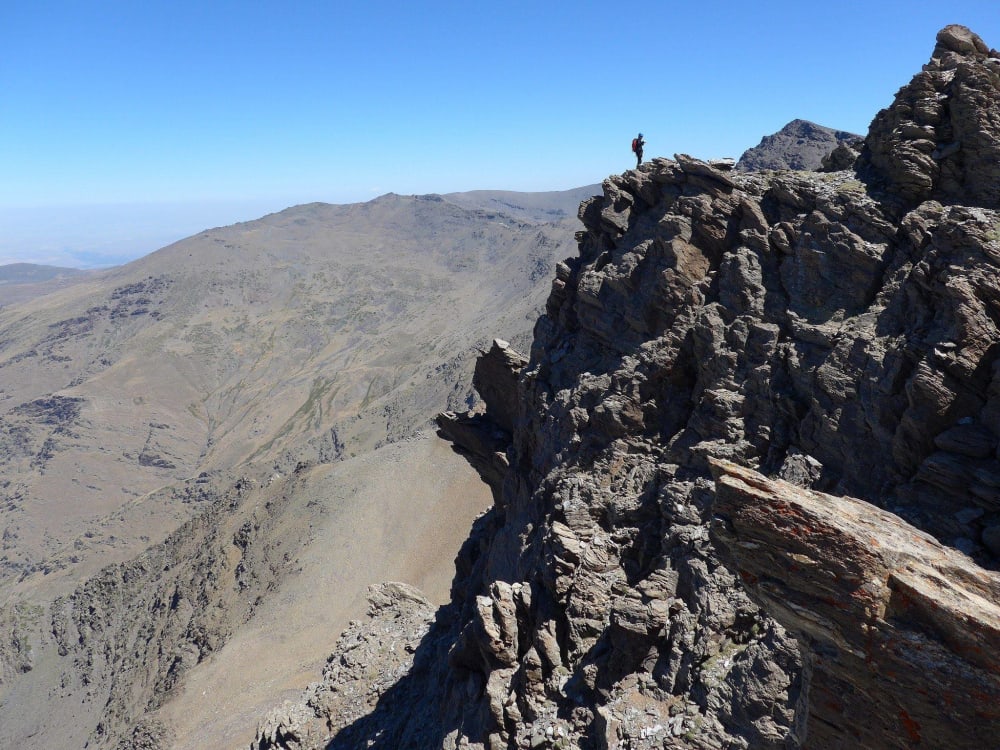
(799, 145)
(940, 138)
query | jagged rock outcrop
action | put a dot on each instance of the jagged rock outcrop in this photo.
(369, 660)
(940, 139)
(795, 323)
(485, 436)
(799, 145)
(495, 379)
(903, 632)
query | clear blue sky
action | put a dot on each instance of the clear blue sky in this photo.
(219, 111)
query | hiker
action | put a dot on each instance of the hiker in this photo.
(637, 144)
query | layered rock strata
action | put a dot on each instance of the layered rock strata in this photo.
(902, 632)
(839, 335)
(941, 137)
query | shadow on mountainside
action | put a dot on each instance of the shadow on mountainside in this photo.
(419, 708)
(390, 724)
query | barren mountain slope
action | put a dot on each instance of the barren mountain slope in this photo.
(551, 206)
(137, 399)
(336, 324)
(197, 636)
(799, 145)
(392, 514)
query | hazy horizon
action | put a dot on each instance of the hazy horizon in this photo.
(212, 114)
(102, 235)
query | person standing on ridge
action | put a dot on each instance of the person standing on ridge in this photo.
(637, 144)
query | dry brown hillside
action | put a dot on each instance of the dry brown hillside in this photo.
(272, 376)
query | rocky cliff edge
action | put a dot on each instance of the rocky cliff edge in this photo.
(838, 332)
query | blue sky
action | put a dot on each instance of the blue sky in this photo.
(212, 112)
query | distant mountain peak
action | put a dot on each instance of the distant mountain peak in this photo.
(30, 273)
(800, 144)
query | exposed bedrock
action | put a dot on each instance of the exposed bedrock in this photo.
(792, 323)
(483, 435)
(940, 139)
(902, 632)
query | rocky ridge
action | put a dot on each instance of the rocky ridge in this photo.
(836, 330)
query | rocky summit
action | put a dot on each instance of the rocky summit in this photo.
(799, 145)
(747, 481)
(940, 139)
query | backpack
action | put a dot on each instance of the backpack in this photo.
(635, 145)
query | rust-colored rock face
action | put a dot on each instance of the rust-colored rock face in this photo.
(903, 633)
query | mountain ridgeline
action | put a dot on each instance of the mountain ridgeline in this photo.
(747, 480)
(799, 145)
(24, 281)
(221, 445)
(740, 490)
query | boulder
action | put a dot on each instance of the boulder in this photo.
(903, 632)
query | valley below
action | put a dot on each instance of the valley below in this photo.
(239, 426)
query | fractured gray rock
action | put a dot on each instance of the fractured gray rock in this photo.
(940, 139)
(798, 145)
